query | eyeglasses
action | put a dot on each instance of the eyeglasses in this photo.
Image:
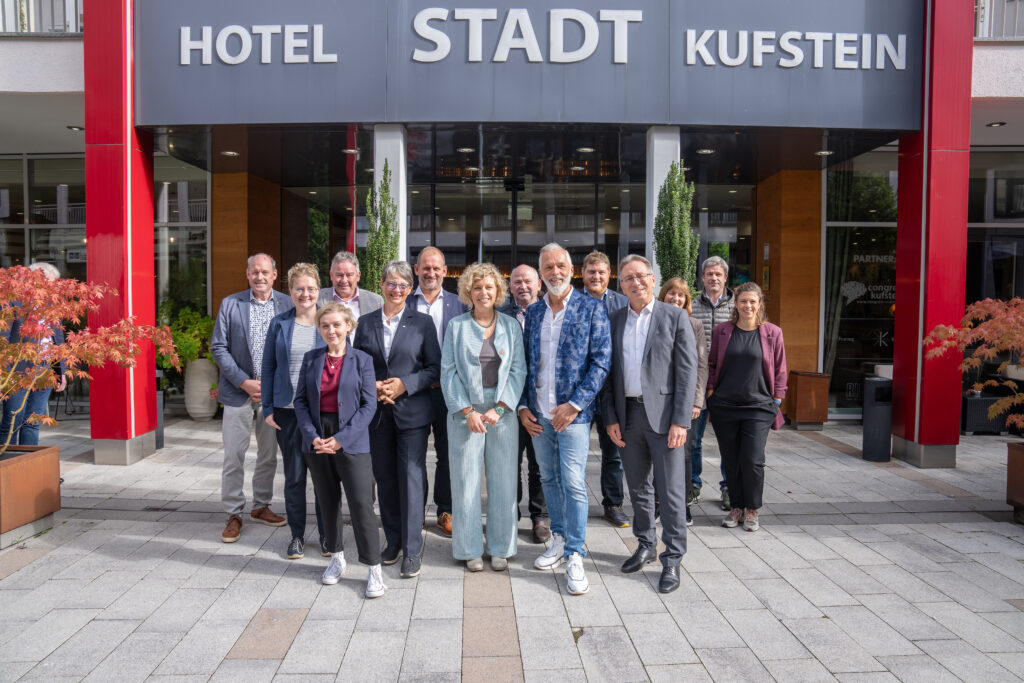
(397, 286)
(635, 278)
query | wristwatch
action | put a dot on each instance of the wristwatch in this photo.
(499, 410)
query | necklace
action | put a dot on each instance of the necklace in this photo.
(494, 317)
(331, 364)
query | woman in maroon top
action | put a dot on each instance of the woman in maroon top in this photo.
(746, 385)
(335, 400)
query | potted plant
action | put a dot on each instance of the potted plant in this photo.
(31, 306)
(191, 331)
(992, 331)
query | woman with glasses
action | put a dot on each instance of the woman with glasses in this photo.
(407, 359)
(483, 369)
(746, 384)
(677, 293)
(290, 335)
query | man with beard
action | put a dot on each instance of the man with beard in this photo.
(568, 354)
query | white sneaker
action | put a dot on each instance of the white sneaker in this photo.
(576, 578)
(375, 583)
(553, 556)
(334, 570)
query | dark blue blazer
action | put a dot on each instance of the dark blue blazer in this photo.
(613, 301)
(415, 359)
(453, 308)
(14, 335)
(276, 390)
(357, 400)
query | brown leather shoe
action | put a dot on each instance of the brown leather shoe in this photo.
(444, 523)
(264, 515)
(541, 531)
(233, 529)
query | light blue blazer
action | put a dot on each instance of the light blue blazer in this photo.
(461, 380)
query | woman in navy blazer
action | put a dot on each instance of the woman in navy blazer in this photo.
(290, 335)
(746, 385)
(335, 401)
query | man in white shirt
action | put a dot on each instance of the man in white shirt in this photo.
(647, 403)
(441, 306)
(345, 288)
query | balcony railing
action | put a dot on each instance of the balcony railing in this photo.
(999, 20)
(40, 17)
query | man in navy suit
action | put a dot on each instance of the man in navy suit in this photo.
(597, 272)
(441, 306)
(239, 335)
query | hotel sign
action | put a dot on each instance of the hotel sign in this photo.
(854, 64)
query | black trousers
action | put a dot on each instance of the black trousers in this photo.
(442, 473)
(535, 503)
(742, 434)
(354, 472)
(289, 438)
(611, 466)
(400, 468)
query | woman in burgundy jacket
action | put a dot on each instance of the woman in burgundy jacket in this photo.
(746, 385)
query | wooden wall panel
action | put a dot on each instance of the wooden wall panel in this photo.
(265, 223)
(229, 235)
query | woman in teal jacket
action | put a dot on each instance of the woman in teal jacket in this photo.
(483, 369)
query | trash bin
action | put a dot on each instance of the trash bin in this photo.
(877, 441)
(159, 420)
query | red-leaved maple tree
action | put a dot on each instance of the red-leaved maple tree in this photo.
(994, 329)
(33, 305)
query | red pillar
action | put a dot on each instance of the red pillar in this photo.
(119, 228)
(931, 241)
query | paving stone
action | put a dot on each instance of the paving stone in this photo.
(203, 648)
(965, 662)
(12, 671)
(595, 608)
(141, 600)
(373, 656)
(849, 577)
(733, 664)
(268, 635)
(817, 588)
(678, 673)
(832, 647)
(318, 647)
(496, 669)
(782, 599)
(45, 635)
(901, 582)
(990, 580)
(965, 592)
(704, 626)
(918, 669)
(218, 571)
(855, 551)
(245, 671)
(547, 643)
(438, 599)
(726, 591)
(972, 628)
(906, 557)
(487, 589)
(765, 635)
(631, 595)
(489, 632)
(392, 612)
(658, 639)
(344, 600)
(870, 632)
(304, 678)
(33, 604)
(84, 650)
(422, 654)
(776, 553)
(874, 677)
(905, 618)
(608, 655)
(745, 564)
(298, 587)
(181, 610)
(798, 670)
(536, 594)
(19, 557)
(135, 657)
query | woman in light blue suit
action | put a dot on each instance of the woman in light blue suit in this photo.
(483, 369)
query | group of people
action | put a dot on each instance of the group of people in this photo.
(351, 385)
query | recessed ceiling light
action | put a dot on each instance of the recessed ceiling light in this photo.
(62, 184)
(872, 210)
(229, 153)
(171, 146)
(824, 153)
(625, 189)
(415, 191)
(732, 191)
(577, 168)
(687, 168)
(472, 169)
(312, 191)
(451, 220)
(615, 208)
(466, 150)
(350, 150)
(369, 170)
(703, 208)
(76, 128)
(994, 124)
(585, 150)
(705, 150)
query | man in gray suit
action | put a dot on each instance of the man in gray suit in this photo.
(237, 345)
(345, 288)
(647, 402)
(441, 306)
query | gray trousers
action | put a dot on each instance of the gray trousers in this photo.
(646, 453)
(237, 430)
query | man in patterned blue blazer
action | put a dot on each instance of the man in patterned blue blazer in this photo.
(568, 353)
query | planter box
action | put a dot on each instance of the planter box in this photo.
(29, 491)
(974, 416)
(807, 400)
(1015, 479)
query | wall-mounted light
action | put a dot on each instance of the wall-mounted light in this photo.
(465, 150)
(995, 124)
(226, 152)
(585, 150)
(705, 150)
(824, 153)
(350, 150)
(77, 129)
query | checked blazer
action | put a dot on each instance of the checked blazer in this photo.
(583, 358)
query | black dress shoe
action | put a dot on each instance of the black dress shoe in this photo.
(669, 580)
(410, 567)
(638, 559)
(390, 554)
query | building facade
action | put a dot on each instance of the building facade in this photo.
(841, 153)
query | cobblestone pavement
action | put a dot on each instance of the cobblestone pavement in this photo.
(860, 572)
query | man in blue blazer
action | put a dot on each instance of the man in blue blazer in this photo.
(597, 272)
(239, 337)
(568, 351)
(441, 306)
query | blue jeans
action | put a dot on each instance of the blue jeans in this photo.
(25, 433)
(696, 436)
(562, 457)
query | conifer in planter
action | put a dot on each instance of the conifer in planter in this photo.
(991, 331)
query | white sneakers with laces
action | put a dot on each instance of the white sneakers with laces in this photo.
(334, 570)
(375, 583)
(576, 578)
(554, 555)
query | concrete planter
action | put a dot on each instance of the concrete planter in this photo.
(1015, 479)
(200, 374)
(29, 491)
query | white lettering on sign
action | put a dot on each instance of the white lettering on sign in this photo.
(234, 44)
(849, 50)
(517, 33)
